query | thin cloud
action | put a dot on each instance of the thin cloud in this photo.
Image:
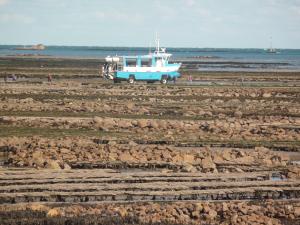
(165, 11)
(4, 2)
(296, 10)
(16, 18)
(204, 12)
(229, 23)
(118, 16)
(189, 3)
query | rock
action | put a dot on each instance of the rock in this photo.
(239, 170)
(267, 95)
(224, 207)
(219, 102)
(247, 160)
(189, 169)
(293, 172)
(126, 157)
(206, 208)
(38, 207)
(162, 124)
(152, 99)
(218, 159)
(297, 211)
(262, 150)
(166, 156)
(38, 159)
(8, 120)
(165, 171)
(64, 151)
(97, 120)
(221, 116)
(55, 212)
(207, 163)
(143, 111)
(26, 100)
(142, 123)
(234, 218)
(134, 123)
(212, 214)
(107, 123)
(112, 143)
(53, 164)
(242, 208)
(238, 114)
(125, 124)
(122, 212)
(288, 209)
(3, 119)
(67, 167)
(233, 102)
(208, 114)
(106, 107)
(153, 124)
(130, 105)
(177, 158)
(195, 214)
(178, 125)
(132, 144)
(190, 159)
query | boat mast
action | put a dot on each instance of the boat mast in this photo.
(271, 42)
(157, 43)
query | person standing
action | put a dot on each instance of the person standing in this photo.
(174, 80)
(14, 77)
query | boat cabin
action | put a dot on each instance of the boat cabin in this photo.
(151, 68)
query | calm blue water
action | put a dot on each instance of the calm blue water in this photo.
(221, 59)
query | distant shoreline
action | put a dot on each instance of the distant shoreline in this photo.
(191, 64)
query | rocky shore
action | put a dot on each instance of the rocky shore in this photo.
(80, 150)
(236, 213)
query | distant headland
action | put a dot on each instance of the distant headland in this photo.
(33, 47)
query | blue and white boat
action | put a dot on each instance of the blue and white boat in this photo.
(152, 67)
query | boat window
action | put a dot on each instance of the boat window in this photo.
(120, 66)
(159, 62)
(146, 62)
(131, 62)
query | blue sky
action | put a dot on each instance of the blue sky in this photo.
(180, 23)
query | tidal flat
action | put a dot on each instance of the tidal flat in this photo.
(222, 149)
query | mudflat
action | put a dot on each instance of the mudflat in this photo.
(222, 149)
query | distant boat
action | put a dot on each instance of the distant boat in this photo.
(34, 47)
(272, 50)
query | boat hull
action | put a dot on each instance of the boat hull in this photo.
(147, 76)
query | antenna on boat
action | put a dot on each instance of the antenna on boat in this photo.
(157, 42)
(149, 47)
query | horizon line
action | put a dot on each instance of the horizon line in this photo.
(119, 46)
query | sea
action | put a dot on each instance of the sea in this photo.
(207, 59)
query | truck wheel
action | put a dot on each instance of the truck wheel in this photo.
(164, 80)
(131, 79)
(116, 81)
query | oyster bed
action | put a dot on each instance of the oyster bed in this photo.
(83, 149)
